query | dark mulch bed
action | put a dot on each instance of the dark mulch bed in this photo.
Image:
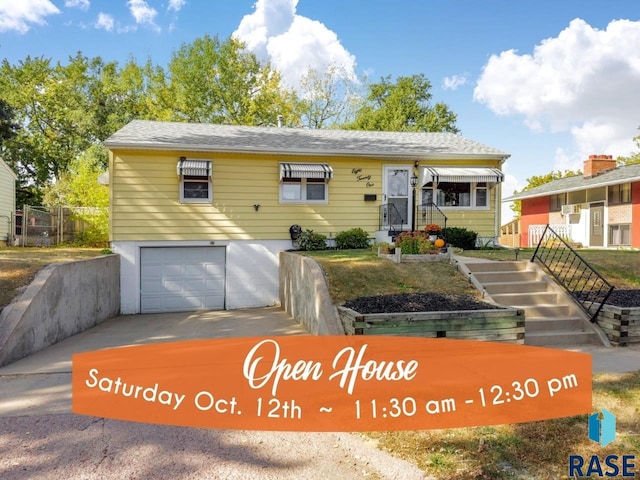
(417, 302)
(623, 298)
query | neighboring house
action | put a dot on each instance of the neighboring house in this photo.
(199, 212)
(7, 202)
(600, 208)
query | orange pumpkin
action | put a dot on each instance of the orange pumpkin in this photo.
(439, 243)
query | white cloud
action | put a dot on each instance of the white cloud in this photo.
(292, 43)
(105, 22)
(81, 4)
(21, 15)
(142, 12)
(454, 82)
(584, 81)
(176, 5)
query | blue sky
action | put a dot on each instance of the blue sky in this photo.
(547, 81)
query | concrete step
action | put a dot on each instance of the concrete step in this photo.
(515, 287)
(549, 339)
(522, 300)
(552, 324)
(496, 266)
(509, 276)
(546, 310)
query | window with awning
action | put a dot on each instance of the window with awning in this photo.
(195, 180)
(304, 182)
(458, 187)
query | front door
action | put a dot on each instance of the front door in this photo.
(397, 198)
(596, 222)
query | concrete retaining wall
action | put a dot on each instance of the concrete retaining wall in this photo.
(304, 295)
(63, 299)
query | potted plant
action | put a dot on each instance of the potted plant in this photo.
(433, 230)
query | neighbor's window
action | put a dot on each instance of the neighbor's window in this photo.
(620, 234)
(619, 193)
(556, 202)
(195, 181)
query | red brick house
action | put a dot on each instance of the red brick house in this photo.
(600, 208)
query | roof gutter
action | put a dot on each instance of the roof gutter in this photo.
(302, 152)
(574, 189)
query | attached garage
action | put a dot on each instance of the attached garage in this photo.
(175, 279)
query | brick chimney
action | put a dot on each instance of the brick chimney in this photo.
(597, 164)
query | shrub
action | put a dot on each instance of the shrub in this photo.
(384, 247)
(413, 243)
(354, 238)
(308, 240)
(461, 237)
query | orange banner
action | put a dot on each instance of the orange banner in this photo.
(331, 383)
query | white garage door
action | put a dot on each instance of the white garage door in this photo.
(178, 279)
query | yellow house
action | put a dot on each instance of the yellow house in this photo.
(199, 212)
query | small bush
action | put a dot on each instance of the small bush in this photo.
(308, 240)
(354, 238)
(413, 243)
(461, 238)
(384, 247)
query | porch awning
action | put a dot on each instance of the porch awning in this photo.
(459, 175)
(196, 168)
(306, 170)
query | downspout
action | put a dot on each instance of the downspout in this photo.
(497, 215)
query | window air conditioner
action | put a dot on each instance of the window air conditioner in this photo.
(570, 209)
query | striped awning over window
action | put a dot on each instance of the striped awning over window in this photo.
(196, 168)
(459, 175)
(305, 170)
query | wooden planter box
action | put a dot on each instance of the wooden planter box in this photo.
(620, 324)
(499, 325)
(399, 257)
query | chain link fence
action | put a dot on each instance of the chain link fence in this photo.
(48, 226)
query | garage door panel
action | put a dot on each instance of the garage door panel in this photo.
(182, 278)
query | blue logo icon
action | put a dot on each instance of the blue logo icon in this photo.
(602, 427)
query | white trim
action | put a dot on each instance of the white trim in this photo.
(303, 192)
(209, 198)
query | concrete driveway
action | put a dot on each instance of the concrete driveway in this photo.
(41, 438)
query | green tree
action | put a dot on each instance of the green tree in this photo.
(8, 126)
(329, 98)
(634, 157)
(536, 181)
(79, 187)
(210, 81)
(403, 106)
(63, 110)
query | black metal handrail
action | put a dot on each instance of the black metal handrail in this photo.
(573, 272)
(390, 218)
(431, 214)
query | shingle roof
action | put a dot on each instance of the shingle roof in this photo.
(150, 135)
(623, 174)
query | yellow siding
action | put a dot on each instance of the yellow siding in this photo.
(145, 196)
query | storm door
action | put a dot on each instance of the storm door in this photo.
(397, 198)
